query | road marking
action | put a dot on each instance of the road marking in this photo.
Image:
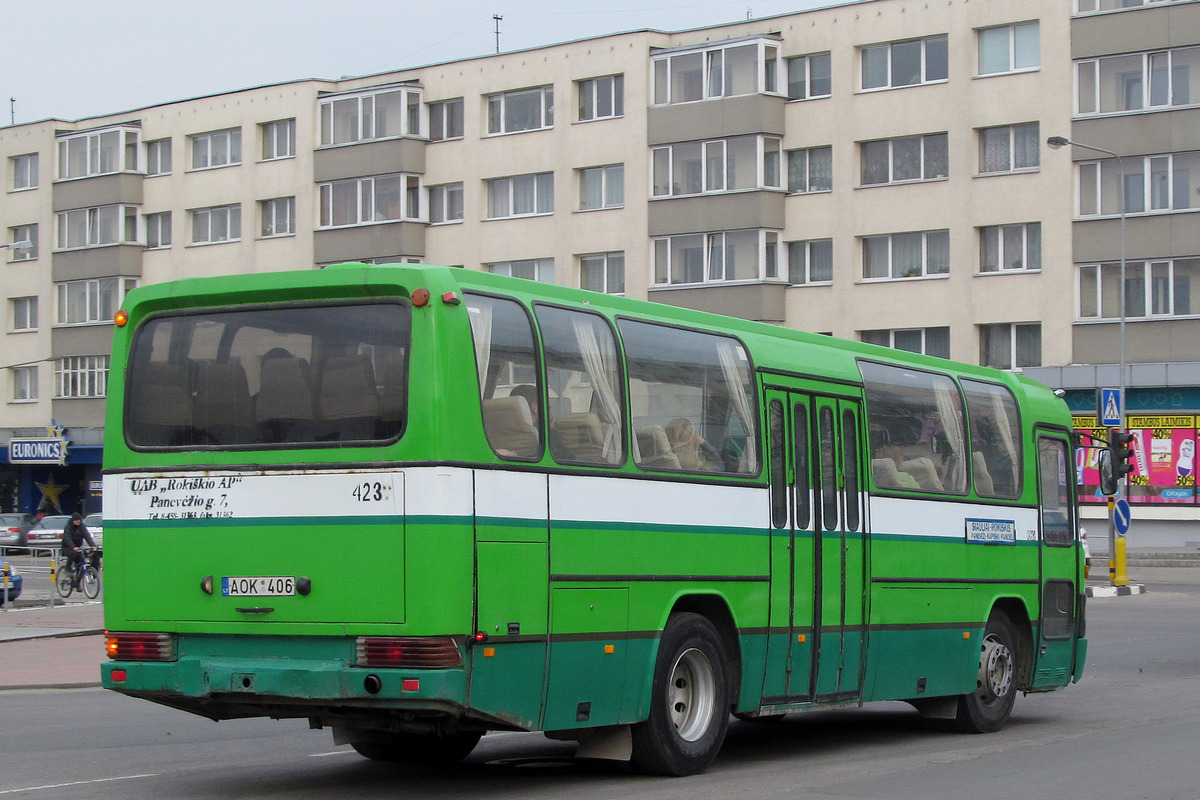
(76, 783)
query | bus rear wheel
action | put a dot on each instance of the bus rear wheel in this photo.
(987, 708)
(689, 703)
(419, 749)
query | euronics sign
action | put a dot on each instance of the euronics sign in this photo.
(37, 451)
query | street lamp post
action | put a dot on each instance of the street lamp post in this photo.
(1116, 570)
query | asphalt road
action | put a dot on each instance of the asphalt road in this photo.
(1128, 731)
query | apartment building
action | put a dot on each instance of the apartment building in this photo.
(874, 170)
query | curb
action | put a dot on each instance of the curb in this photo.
(29, 686)
(1116, 591)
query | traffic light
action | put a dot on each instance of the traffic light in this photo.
(1120, 445)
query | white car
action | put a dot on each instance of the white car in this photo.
(95, 525)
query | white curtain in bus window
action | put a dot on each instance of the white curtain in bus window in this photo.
(583, 384)
(915, 423)
(509, 393)
(995, 439)
(690, 398)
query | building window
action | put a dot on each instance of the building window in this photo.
(278, 139)
(1010, 346)
(1085, 6)
(906, 159)
(720, 257)
(158, 229)
(906, 255)
(810, 170)
(377, 115)
(1009, 148)
(524, 110)
(1152, 185)
(907, 63)
(747, 67)
(91, 301)
(217, 149)
(25, 384)
(278, 216)
(81, 376)
(930, 341)
(91, 227)
(602, 187)
(809, 77)
(446, 120)
(520, 196)
(158, 157)
(603, 272)
(217, 224)
(24, 314)
(24, 239)
(534, 269)
(718, 165)
(446, 203)
(1166, 288)
(810, 262)
(100, 152)
(361, 201)
(1008, 48)
(24, 171)
(1009, 248)
(1137, 81)
(601, 98)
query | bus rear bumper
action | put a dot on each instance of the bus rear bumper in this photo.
(286, 687)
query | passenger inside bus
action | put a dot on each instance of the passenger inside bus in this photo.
(693, 452)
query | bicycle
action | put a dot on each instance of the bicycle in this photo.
(85, 576)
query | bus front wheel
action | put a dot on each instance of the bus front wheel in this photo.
(987, 708)
(689, 703)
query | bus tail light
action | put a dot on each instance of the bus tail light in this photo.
(427, 652)
(140, 646)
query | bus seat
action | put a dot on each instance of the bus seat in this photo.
(163, 405)
(284, 407)
(347, 399)
(925, 473)
(655, 449)
(885, 473)
(983, 478)
(581, 437)
(223, 411)
(509, 427)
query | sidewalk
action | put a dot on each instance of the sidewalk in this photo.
(51, 648)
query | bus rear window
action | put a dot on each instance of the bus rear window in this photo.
(262, 377)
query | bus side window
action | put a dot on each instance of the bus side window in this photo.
(506, 362)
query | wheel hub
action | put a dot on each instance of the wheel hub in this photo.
(995, 670)
(690, 695)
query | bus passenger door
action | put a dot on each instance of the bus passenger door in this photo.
(839, 551)
(790, 637)
(1060, 563)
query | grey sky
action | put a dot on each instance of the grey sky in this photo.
(70, 59)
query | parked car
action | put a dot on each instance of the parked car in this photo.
(95, 525)
(13, 528)
(14, 581)
(47, 531)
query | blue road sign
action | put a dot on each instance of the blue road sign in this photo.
(1122, 514)
(1110, 408)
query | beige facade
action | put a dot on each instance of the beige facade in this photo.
(716, 168)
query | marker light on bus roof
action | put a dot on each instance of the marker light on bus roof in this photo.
(420, 297)
(121, 318)
(451, 298)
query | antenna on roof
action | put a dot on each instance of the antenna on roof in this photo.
(497, 17)
(12, 110)
(749, 13)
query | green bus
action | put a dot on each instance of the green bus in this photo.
(416, 504)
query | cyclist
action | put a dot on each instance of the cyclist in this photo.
(74, 536)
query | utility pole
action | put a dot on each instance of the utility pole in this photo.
(497, 18)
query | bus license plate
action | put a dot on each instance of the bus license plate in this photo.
(258, 586)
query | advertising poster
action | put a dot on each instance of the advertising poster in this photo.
(1164, 459)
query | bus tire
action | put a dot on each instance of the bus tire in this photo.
(419, 749)
(689, 700)
(986, 709)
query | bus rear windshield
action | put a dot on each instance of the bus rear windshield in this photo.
(263, 377)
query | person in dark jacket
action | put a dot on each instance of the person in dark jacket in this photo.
(74, 537)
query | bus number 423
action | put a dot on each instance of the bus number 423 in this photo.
(371, 491)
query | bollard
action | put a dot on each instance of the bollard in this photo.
(1120, 575)
(7, 607)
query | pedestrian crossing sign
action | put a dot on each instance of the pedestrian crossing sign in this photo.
(1110, 408)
